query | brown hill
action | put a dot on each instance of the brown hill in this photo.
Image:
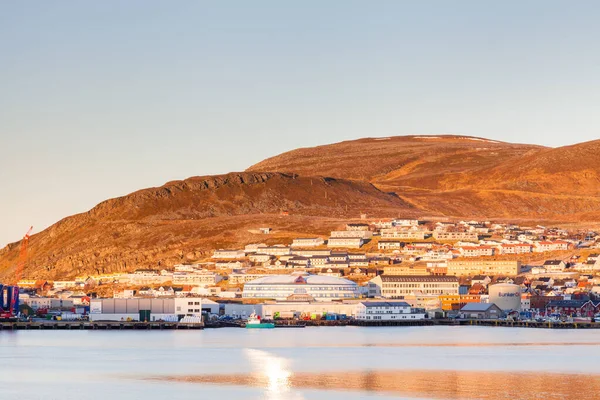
(456, 176)
(464, 176)
(183, 220)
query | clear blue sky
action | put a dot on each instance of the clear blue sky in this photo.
(98, 99)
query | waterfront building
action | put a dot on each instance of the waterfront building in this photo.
(397, 286)
(387, 311)
(171, 309)
(318, 287)
(581, 308)
(48, 303)
(471, 268)
(481, 311)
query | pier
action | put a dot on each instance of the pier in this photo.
(86, 325)
(125, 325)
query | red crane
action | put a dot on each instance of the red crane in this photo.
(22, 256)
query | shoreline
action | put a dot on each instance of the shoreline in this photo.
(132, 325)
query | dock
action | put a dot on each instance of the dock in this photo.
(126, 325)
(99, 325)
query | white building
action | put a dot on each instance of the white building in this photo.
(240, 279)
(200, 277)
(61, 285)
(389, 245)
(277, 250)
(386, 311)
(455, 236)
(312, 287)
(149, 277)
(225, 254)
(47, 303)
(352, 234)
(405, 222)
(397, 286)
(150, 309)
(406, 235)
(351, 242)
(308, 242)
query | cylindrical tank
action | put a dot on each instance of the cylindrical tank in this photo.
(506, 296)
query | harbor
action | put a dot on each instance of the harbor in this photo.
(135, 325)
(108, 325)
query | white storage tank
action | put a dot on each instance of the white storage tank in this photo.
(506, 296)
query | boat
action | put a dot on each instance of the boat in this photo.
(255, 323)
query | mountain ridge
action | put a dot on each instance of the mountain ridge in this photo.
(312, 190)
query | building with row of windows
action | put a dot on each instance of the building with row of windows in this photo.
(397, 287)
(301, 285)
(472, 268)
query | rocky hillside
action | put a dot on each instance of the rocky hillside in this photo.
(320, 187)
(464, 176)
(184, 220)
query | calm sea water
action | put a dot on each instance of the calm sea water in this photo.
(311, 363)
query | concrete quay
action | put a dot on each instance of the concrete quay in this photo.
(85, 325)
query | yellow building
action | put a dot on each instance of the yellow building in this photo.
(26, 283)
(450, 302)
(400, 269)
(495, 268)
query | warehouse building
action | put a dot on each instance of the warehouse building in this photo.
(481, 311)
(171, 309)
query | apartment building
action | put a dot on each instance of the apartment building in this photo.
(397, 286)
(472, 268)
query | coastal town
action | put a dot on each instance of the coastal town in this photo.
(384, 270)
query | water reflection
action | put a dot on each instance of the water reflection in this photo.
(271, 372)
(439, 384)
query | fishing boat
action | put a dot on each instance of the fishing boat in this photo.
(255, 323)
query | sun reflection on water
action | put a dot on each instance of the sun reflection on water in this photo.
(273, 373)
